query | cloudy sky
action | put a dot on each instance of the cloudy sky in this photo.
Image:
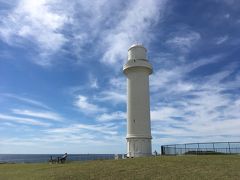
(61, 83)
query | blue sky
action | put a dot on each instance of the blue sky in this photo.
(61, 83)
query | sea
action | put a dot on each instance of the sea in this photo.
(41, 158)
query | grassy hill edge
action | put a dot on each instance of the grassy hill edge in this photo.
(161, 167)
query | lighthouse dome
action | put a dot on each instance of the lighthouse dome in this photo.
(137, 52)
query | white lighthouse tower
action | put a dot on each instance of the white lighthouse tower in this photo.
(137, 70)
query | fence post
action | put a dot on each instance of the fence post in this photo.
(162, 151)
(175, 150)
(213, 147)
(198, 148)
(229, 148)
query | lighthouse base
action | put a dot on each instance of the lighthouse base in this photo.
(139, 147)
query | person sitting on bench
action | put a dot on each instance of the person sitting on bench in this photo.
(63, 158)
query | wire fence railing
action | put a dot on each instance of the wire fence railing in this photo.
(201, 148)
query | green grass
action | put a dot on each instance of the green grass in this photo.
(162, 167)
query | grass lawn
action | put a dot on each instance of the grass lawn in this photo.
(162, 167)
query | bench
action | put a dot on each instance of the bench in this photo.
(61, 159)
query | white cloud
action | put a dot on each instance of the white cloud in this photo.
(172, 78)
(21, 120)
(39, 114)
(37, 21)
(87, 131)
(93, 82)
(162, 77)
(164, 113)
(86, 107)
(112, 116)
(102, 128)
(233, 3)
(82, 143)
(115, 93)
(27, 100)
(192, 110)
(114, 97)
(209, 112)
(79, 137)
(42, 23)
(137, 18)
(184, 41)
(184, 86)
(222, 39)
(118, 83)
(227, 16)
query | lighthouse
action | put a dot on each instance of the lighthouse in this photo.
(137, 70)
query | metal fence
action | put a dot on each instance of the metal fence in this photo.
(201, 148)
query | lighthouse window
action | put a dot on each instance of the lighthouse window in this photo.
(134, 120)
